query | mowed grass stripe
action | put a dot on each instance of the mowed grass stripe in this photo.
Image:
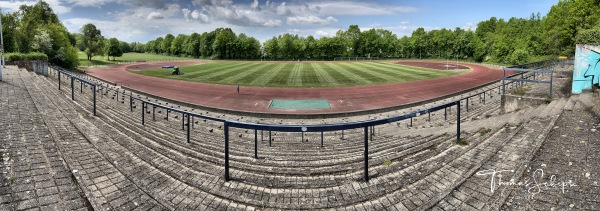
(255, 73)
(356, 79)
(339, 75)
(416, 73)
(396, 74)
(280, 79)
(206, 69)
(296, 76)
(310, 77)
(367, 73)
(229, 72)
(268, 75)
(325, 79)
(388, 72)
(243, 74)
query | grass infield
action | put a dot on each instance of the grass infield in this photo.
(127, 57)
(300, 74)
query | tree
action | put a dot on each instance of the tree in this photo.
(113, 48)
(42, 42)
(32, 18)
(10, 24)
(165, 45)
(271, 47)
(92, 40)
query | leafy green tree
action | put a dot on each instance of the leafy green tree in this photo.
(10, 24)
(113, 48)
(165, 45)
(92, 41)
(271, 47)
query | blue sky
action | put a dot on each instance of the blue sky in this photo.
(144, 20)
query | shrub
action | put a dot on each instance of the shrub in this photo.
(12, 57)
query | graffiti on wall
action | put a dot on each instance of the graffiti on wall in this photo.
(587, 68)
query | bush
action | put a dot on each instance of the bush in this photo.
(12, 57)
(588, 37)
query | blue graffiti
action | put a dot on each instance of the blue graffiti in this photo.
(587, 70)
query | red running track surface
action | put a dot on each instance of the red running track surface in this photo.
(257, 99)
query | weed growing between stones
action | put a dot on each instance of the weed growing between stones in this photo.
(463, 142)
(387, 162)
(483, 131)
(433, 147)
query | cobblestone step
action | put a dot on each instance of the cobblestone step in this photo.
(33, 172)
(103, 184)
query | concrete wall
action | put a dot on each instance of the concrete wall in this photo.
(510, 103)
(37, 66)
(587, 68)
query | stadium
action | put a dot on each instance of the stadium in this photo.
(506, 130)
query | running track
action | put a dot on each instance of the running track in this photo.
(257, 99)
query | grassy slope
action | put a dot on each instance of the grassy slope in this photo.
(98, 60)
(327, 74)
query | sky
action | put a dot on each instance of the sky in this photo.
(145, 20)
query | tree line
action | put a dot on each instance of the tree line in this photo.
(516, 40)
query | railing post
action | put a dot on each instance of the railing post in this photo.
(72, 88)
(131, 103)
(321, 138)
(81, 86)
(188, 129)
(302, 137)
(503, 77)
(58, 80)
(551, 79)
(269, 137)
(255, 144)
(468, 102)
(182, 122)
(445, 113)
(458, 122)
(143, 111)
(94, 100)
(366, 154)
(226, 131)
(153, 113)
(483, 98)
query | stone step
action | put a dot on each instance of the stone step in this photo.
(103, 184)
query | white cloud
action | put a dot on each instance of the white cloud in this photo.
(360, 8)
(155, 15)
(405, 22)
(254, 5)
(293, 31)
(310, 20)
(13, 5)
(283, 10)
(322, 33)
(157, 4)
(89, 3)
(195, 15)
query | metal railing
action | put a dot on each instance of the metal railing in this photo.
(188, 118)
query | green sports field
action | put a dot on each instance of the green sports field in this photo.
(300, 74)
(99, 60)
